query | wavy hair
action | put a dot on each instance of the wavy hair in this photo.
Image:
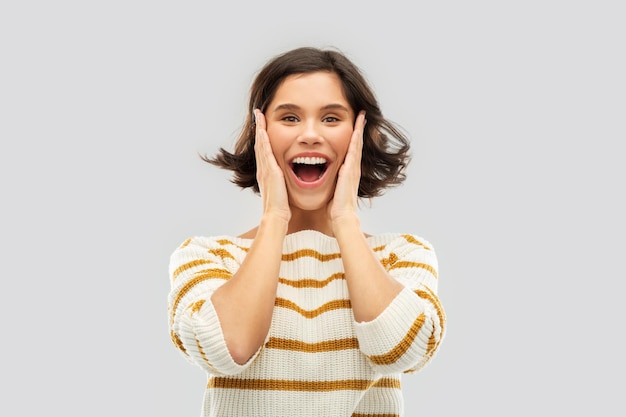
(385, 148)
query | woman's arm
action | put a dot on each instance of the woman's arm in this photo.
(399, 320)
(245, 303)
(370, 286)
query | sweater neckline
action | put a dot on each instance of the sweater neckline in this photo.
(310, 236)
(306, 233)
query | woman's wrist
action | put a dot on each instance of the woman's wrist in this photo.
(346, 225)
(274, 223)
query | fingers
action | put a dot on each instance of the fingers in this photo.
(345, 198)
(266, 162)
(259, 119)
(263, 148)
(260, 128)
(269, 174)
(359, 123)
(356, 141)
(359, 128)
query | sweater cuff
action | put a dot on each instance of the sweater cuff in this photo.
(211, 340)
(385, 332)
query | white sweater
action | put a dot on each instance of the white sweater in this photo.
(316, 360)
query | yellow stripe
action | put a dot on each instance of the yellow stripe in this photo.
(222, 253)
(217, 273)
(177, 342)
(214, 273)
(430, 296)
(432, 344)
(407, 264)
(400, 349)
(389, 261)
(228, 242)
(309, 314)
(388, 383)
(311, 283)
(188, 265)
(408, 238)
(411, 239)
(185, 243)
(307, 386)
(310, 253)
(325, 346)
(204, 358)
(196, 306)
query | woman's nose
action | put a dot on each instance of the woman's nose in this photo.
(310, 133)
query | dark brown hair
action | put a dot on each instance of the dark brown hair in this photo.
(385, 147)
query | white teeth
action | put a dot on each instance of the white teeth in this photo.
(307, 160)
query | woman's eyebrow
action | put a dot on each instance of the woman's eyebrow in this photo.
(290, 106)
(286, 106)
(335, 106)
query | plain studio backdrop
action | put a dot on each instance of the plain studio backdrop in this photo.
(516, 114)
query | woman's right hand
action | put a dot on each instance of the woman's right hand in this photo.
(268, 174)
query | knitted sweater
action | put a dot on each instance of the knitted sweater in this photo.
(316, 360)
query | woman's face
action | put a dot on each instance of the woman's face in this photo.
(309, 124)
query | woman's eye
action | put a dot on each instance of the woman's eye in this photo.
(331, 119)
(291, 119)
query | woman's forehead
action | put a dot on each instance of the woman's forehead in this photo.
(323, 90)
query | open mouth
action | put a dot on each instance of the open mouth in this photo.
(309, 169)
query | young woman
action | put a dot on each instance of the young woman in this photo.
(307, 315)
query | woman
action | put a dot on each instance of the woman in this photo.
(306, 315)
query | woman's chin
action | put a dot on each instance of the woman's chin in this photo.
(309, 203)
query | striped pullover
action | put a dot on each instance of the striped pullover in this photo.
(316, 360)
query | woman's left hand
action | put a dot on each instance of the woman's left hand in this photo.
(344, 203)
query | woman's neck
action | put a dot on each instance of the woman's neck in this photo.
(310, 220)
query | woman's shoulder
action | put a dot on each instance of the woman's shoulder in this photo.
(396, 240)
(202, 242)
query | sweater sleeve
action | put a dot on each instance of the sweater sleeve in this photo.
(197, 268)
(406, 335)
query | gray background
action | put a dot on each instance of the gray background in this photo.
(516, 110)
